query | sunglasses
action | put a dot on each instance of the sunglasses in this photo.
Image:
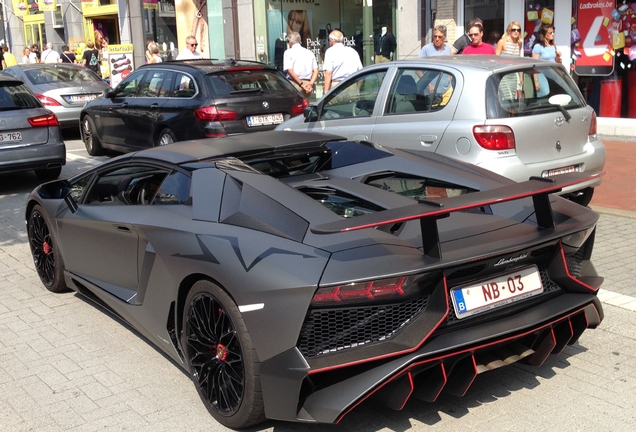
(438, 37)
(194, 45)
(515, 30)
(473, 34)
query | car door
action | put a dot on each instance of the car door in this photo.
(418, 109)
(100, 240)
(350, 110)
(113, 116)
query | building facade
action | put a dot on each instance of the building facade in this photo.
(597, 38)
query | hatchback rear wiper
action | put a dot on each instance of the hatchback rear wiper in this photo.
(565, 113)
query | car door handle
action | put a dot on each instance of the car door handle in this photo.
(122, 228)
(154, 106)
(124, 104)
(361, 138)
(427, 140)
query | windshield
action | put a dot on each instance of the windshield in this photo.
(241, 81)
(531, 91)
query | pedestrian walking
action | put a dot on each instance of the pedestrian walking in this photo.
(67, 55)
(49, 55)
(340, 61)
(9, 59)
(464, 40)
(300, 65)
(477, 45)
(438, 46)
(190, 52)
(90, 58)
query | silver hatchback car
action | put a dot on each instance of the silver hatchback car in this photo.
(518, 117)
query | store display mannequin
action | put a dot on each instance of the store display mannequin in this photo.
(279, 50)
(384, 46)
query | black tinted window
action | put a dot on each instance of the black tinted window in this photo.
(129, 86)
(131, 185)
(154, 84)
(17, 96)
(183, 86)
(248, 80)
(174, 190)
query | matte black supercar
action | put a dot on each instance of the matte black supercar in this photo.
(295, 275)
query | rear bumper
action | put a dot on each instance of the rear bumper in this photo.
(447, 363)
(49, 155)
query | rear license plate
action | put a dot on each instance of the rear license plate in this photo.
(81, 98)
(498, 291)
(10, 137)
(564, 170)
(263, 120)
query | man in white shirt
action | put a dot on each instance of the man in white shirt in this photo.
(340, 61)
(49, 55)
(300, 65)
(190, 52)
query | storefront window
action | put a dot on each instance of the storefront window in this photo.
(538, 12)
(491, 12)
(160, 26)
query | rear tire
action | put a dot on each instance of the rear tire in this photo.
(165, 137)
(48, 174)
(92, 143)
(46, 254)
(222, 362)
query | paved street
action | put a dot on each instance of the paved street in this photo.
(66, 365)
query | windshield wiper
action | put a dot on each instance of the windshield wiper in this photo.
(565, 113)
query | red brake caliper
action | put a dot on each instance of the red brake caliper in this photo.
(221, 352)
(46, 248)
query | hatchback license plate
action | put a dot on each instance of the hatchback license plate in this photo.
(564, 170)
(496, 292)
(263, 120)
(10, 137)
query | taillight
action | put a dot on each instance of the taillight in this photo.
(213, 114)
(300, 108)
(494, 137)
(44, 121)
(592, 130)
(365, 292)
(47, 101)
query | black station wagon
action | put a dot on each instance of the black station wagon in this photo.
(176, 101)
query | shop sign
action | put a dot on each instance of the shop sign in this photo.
(593, 32)
(151, 4)
(120, 62)
(20, 8)
(47, 5)
(89, 3)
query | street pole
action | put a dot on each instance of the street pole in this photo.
(367, 32)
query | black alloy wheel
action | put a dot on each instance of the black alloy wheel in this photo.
(221, 358)
(93, 146)
(46, 256)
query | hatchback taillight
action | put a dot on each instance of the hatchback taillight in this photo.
(592, 130)
(213, 114)
(300, 108)
(44, 121)
(494, 137)
(47, 101)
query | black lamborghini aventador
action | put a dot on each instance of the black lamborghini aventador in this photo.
(295, 275)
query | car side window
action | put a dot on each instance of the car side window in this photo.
(128, 87)
(420, 90)
(175, 189)
(129, 185)
(183, 86)
(354, 98)
(152, 84)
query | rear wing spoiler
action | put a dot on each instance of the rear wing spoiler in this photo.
(428, 212)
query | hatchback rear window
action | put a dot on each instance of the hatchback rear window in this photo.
(241, 81)
(531, 91)
(14, 95)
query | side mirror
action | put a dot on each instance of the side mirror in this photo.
(310, 113)
(56, 190)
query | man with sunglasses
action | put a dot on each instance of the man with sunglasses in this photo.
(477, 45)
(190, 52)
(437, 47)
(463, 41)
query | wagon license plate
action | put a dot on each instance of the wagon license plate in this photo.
(263, 120)
(496, 292)
(10, 137)
(564, 170)
(81, 98)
